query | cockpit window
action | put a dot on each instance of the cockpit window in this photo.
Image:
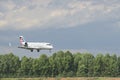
(49, 44)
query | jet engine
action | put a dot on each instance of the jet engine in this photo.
(26, 44)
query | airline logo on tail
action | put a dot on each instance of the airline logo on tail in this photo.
(21, 40)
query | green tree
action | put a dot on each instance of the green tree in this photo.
(113, 66)
(35, 68)
(58, 61)
(68, 63)
(2, 65)
(41, 66)
(44, 65)
(110, 64)
(26, 66)
(118, 65)
(99, 65)
(63, 64)
(53, 65)
(86, 65)
(9, 64)
(77, 58)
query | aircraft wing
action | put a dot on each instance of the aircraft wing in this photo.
(24, 47)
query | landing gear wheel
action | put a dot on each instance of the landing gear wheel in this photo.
(38, 50)
(31, 50)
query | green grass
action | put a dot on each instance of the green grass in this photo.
(58, 78)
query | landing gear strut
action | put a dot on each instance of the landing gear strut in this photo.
(31, 50)
(38, 50)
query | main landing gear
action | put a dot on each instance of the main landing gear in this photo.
(38, 50)
(31, 50)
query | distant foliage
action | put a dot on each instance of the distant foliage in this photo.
(61, 64)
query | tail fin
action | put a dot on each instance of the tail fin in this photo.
(22, 41)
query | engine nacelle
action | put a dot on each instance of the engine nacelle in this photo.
(26, 44)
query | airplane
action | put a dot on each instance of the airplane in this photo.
(34, 45)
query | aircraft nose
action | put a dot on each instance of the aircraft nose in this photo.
(51, 46)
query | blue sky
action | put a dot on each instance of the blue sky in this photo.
(87, 25)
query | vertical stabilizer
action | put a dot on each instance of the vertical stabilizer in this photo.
(22, 41)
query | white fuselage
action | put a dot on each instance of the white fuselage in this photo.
(38, 45)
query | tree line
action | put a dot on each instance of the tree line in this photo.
(62, 64)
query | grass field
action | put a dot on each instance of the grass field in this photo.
(77, 78)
